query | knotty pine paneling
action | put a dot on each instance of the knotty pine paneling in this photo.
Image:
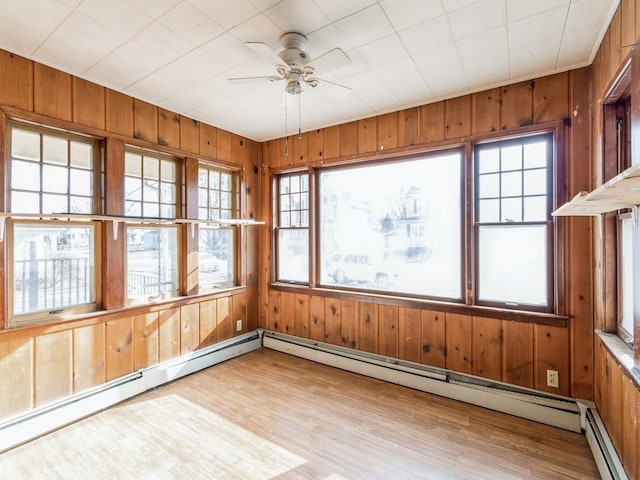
(316, 144)
(409, 127)
(409, 335)
(89, 104)
(189, 328)
(168, 128)
(551, 352)
(434, 346)
(208, 140)
(551, 98)
(224, 310)
(630, 421)
(119, 347)
(145, 121)
(387, 131)
(349, 137)
(316, 318)
(368, 327)
(119, 113)
(301, 316)
(349, 323)
(238, 312)
(53, 367)
(332, 138)
(16, 81)
(487, 348)
(16, 375)
(299, 149)
(615, 41)
(169, 334)
(223, 145)
(485, 111)
(208, 323)
(517, 105)
(459, 341)
(517, 353)
(189, 135)
(51, 92)
(388, 330)
(457, 117)
(432, 122)
(616, 415)
(332, 320)
(88, 357)
(287, 307)
(273, 321)
(145, 340)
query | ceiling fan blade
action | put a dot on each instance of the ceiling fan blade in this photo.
(254, 79)
(265, 52)
(335, 89)
(330, 60)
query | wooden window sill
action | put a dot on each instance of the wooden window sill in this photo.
(622, 353)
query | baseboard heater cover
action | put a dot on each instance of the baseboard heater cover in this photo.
(18, 430)
(549, 409)
(604, 453)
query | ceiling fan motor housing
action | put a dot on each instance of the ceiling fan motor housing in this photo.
(294, 53)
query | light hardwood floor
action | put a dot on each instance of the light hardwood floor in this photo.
(271, 415)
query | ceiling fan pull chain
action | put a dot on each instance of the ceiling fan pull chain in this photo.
(286, 137)
(300, 116)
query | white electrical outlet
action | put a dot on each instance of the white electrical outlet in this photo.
(552, 379)
(238, 325)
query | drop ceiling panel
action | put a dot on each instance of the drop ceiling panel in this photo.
(180, 53)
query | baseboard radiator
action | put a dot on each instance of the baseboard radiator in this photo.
(18, 430)
(563, 412)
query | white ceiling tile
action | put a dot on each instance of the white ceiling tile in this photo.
(407, 13)
(126, 65)
(357, 65)
(584, 13)
(477, 17)
(78, 43)
(383, 51)
(338, 9)
(519, 10)
(17, 18)
(302, 16)
(427, 36)
(483, 44)
(447, 82)
(189, 22)
(225, 14)
(437, 59)
(544, 25)
(159, 38)
(485, 72)
(451, 5)
(576, 48)
(229, 49)
(378, 26)
(263, 5)
(115, 15)
(259, 29)
(405, 81)
(153, 8)
(325, 39)
(534, 59)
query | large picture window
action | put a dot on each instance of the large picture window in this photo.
(394, 227)
(216, 252)
(513, 222)
(53, 263)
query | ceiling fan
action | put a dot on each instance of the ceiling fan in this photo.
(296, 67)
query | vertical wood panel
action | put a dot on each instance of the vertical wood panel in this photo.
(223, 143)
(316, 144)
(287, 307)
(189, 135)
(53, 367)
(388, 330)
(88, 357)
(301, 316)
(169, 334)
(145, 121)
(145, 340)
(348, 139)
(16, 376)
(332, 319)
(409, 127)
(616, 415)
(630, 427)
(432, 122)
(239, 312)
(332, 138)
(459, 335)
(208, 323)
(434, 347)
(316, 318)
(367, 135)
(368, 327)
(89, 105)
(113, 249)
(51, 92)
(518, 353)
(485, 111)
(409, 333)
(119, 351)
(517, 105)
(299, 149)
(615, 37)
(119, 113)
(487, 348)
(273, 321)
(551, 352)
(168, 128)
(457, 117)
(190, 326)
(388, 131)
(208, 140)
(16, 81)
(223, 309)
(551, 98)
(349, 324)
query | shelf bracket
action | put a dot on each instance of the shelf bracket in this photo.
(193, 230)
(634, 216)
(3, 224)
(116, 225)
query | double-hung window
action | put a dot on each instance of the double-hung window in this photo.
(152, 187)
(216, 201)
(292, 228)
(53, 263)
(513, 226)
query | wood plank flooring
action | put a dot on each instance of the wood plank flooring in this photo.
(270, 415)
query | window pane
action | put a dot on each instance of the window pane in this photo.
(25, 202)
(511, 210)
(511, 158)
(215, 257)
(409, 212)
(80, 205)
(81, 155)
(489, 160)
(512, 264)
(53, 267)
(150, 191)
(25, 144)
(151, 210)
(54, 203)
(133, 209)
(168, 171)
(25, 175)
(132, 188)
(535, 155)
(152, 261)
(489, 211)
(151, 168)
(133, 164)
(535, 209)
(81, 182)
(55, 150)
(626, 265)
(293, 255)
(511, 184)
(489, 186)
(54, 179)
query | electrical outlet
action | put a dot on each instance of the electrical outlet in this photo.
(238, 325)
(552, 379)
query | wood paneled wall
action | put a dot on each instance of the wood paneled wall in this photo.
(617, 396)
(44, 363)
(514, 352)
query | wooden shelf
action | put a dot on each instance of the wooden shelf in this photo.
(622, 191)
